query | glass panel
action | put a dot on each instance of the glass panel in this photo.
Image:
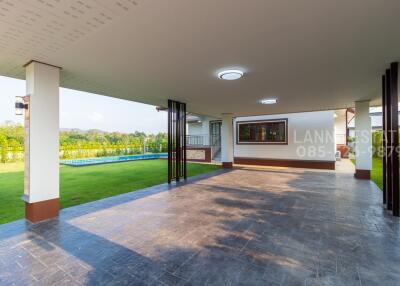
(215, 132)
(262, 132)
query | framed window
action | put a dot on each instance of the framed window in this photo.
(262, 132)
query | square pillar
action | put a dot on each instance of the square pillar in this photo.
(41, 188)
(363, 141)
(227, 140)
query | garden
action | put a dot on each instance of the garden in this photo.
(76, 143)
(80, 185)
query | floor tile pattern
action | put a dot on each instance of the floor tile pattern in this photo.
(246, 226)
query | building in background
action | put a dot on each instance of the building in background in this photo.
(307, 139)
(376, 120)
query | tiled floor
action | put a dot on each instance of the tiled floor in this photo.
(243, 227)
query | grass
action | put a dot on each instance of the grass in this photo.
(376, 173)
(79, 185)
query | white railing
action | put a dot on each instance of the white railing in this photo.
(203, 140)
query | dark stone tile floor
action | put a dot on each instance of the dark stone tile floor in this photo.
(240, 227)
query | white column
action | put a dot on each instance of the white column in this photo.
(363, 141)
(41, 192)
(227, 140)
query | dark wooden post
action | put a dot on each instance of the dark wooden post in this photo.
(178, 143)
(389, 144)
(347, 129)
(184, 142)
(176, 140)
(384, 132)
(395, 136)
(169, 141)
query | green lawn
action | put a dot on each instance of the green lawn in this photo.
(84, 184)
(376, 174)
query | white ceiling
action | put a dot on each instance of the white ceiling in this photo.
(310, 54)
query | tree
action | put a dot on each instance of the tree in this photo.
(3, 148)
(76, 143)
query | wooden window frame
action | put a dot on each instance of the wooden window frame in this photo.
(285, 120)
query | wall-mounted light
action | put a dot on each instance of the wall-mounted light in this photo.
(20, 105)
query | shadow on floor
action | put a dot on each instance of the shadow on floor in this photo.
(232, 228)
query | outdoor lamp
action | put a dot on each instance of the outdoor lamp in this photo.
(20, 105)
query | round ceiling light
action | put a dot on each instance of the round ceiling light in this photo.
(230, 74)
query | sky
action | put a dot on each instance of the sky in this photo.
(88, 111)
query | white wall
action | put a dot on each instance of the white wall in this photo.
(200, 128)
(206, 124)
(195, 128)
(304, 142)
(340, 127)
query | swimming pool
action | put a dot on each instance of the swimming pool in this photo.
(113, 159)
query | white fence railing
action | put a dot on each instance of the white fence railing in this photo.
(203, 140)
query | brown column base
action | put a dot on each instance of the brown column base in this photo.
(362, 174)
(40, 211)
(227, 165)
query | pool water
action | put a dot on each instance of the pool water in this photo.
(113, 159)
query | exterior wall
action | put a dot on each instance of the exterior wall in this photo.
(195, 128)
(304, 142)
(205, 120)
(340, 133)
(340, 128)
(200, 128)
(202, 149)
(199, 154)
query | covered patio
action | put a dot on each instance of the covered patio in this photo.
(225, 59)
(243, 226)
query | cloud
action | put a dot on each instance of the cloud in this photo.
(96, 117)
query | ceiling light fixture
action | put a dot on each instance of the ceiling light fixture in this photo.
(230, 74)
(269, 101)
